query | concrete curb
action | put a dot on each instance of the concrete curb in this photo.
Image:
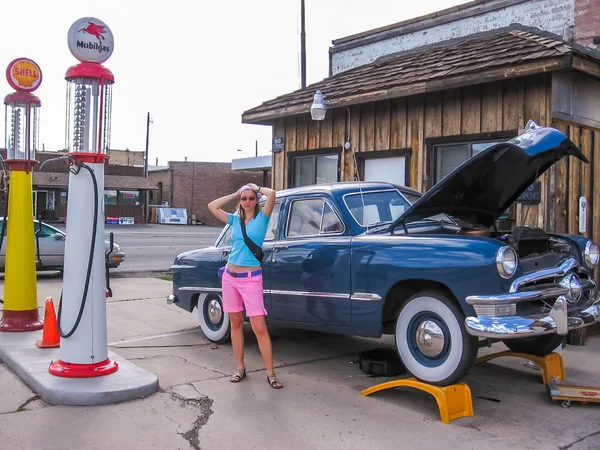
(21, 355)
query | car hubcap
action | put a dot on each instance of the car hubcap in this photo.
(215, 312)
(430, 338)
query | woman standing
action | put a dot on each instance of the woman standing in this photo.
(242, 279)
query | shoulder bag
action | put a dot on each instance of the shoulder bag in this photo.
(255, 249)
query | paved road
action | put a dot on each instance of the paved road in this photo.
(151, 247)
(321, 406)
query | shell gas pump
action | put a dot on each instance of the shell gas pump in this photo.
(82, 310)
(22, 129)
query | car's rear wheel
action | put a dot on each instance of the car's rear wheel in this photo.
(432, 342)
(214, 322)
(537, 346)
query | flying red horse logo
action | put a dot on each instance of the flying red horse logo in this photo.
(94, 30)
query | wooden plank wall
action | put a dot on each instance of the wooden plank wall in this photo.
(406, 123)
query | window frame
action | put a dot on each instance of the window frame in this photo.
(325, 200)
(476, 138)
(312, 153)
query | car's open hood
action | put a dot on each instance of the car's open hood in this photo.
(482, 188)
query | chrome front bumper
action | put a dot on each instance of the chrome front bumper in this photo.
(490, 324)
(558, 321)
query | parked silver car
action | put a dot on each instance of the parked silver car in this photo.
(52, 248)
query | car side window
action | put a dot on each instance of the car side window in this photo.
(45, 231)
(226, 239)
(331, 223)
(273, 223)
(312, 217)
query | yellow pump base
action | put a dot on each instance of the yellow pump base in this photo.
(551, 366)
(453, 401)
(20, 279)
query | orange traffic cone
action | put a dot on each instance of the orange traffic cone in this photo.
(50, 337)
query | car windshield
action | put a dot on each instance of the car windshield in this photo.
(379, 207)
(384, 207)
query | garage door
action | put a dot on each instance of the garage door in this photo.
(392, 170)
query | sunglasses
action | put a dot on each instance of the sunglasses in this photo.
(244, 199)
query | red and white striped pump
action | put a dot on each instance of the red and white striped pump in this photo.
(82, 312)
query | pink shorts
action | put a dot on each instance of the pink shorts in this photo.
(243, 293)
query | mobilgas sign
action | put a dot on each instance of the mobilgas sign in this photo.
(90, 40)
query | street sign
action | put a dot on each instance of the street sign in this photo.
(533, 194)
(278, 144)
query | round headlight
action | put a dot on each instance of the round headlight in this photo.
(591, 254)
(506, 262)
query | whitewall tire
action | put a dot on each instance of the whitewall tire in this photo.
(432, 341)
(214, 322)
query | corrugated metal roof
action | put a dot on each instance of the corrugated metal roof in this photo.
(61, 180)
(501, 53)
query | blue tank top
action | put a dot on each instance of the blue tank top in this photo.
(256, 230)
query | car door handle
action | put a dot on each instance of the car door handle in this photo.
(226, 252)
(280, 247)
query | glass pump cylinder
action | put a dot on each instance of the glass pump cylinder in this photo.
(21, 126)
(88, 115)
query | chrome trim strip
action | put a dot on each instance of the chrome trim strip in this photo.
(517, 327)
(526, 296)
(310, 294)
(366, 297)
(200, 289)
(560, 271)
(177, 267)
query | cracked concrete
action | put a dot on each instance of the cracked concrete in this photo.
(188, 395)
(589, 436)
(320, 407)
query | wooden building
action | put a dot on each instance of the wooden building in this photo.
(420, 113)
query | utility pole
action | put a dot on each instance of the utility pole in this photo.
(147, 196)
(302, 46)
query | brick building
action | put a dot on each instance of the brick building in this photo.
(192, 185)
(126, 157)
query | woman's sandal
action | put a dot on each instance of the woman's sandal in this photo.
(238, 375)
(274, 382)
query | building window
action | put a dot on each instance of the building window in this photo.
(130, 198)
(449, 156)
(317, 169)
(110, 197)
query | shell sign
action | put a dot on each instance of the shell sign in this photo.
(24, 75)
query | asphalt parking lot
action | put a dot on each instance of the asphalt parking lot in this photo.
(320, 406)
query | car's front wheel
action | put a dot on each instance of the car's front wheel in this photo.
(214, 322)
(432, 342)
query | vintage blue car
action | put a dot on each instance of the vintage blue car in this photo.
(370, 258)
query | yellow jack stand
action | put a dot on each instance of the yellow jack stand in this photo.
(453, 401)
(551, 366)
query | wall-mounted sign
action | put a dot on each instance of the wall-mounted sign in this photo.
(533, 194)
(90, 40)
(278, 144)
(24, 75)
(126, 221)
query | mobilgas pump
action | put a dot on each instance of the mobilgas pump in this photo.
(82, 310)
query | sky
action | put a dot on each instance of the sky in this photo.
(195, 66)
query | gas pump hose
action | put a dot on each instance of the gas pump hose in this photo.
(79, 165)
